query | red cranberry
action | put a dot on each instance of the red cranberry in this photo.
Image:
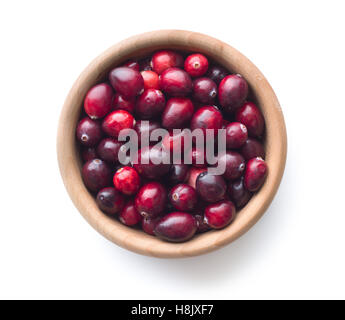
(238, 193)
(197, 156)
(202, 225)
(216, 73)
(220, 214)
(177, 113)
(210, 188)
(176, 227)
(236, 135)
(196, 65)
(255, 175)
(144, 128)
(149, 224)
(89, 132)
(88, 154)
(108, 150)
(126, 81)
(151, 79)
(127, 180)
(252, 148)
(97, 102)
(175, 143)
(150, 104)
(150, 200)
(120, 103)
(250, 115)
(178, 173)
(165, 59)
(207, 117)
(110, 201)
(129, 215)
(176, 82)
(232, 91)
(193, 175)
(234, 165)
(204, 90)
(116, 121)
(145, 64)
(96, 174)
(183, 197)
(132, 64)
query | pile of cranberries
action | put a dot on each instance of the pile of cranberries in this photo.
(171, 90)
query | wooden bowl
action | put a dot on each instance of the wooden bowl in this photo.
(137, 46)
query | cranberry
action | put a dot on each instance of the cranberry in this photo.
(178, 173)
(216, 73)
(198, 157)
(238, 193)
(126, 81)
(177, 113)
(202, 225)
(116, 121)
(97, 102)
(120, 103)
(89, 132)
(250, 115)
(207, 117)
(110, 201)
(108, 150)
(234, 164)
(132, 64)
(144, 129)
(176, 227)
(255, 175)
(127, 180)
(204, 90)
(183, 197)
(236, 135)
(193, 175)
(149, 224)
(196, 65)
(252, 148)
(145, 64)
(220, 214)
(151, 79)
(176, 82)
(211, 188)
(176, 142)
(150, 104)
(232, 91)
(165, 59)
(150, 200)
(129, 215)
(88, 154)
(96, 174)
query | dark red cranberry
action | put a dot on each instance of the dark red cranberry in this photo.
(238, 193)
(89, 132)
(88, 154)
(202, 225)
(127, 180)
(220, 214)
(165, 59)
(110, 201)
(207, 117)
(177, 113)
(250, 115)
(216, 73)
(176, 142)
(175, 82)
(225, 123)
(129, 215)
(132, 64)
(145, 64)
(193, 175)
(176, 227)
(232, 91)
(108, 150)
(97, 102)
(252, 148)
(211, 188)
(149, 224)
(96, 174)
(178, 173)
(150, 163)
(116, 121)
(234, 165)
(183, 197)
(120, 103)
(126, 81)
(255, 175)
(204, 90)
(236, 135)
(198, 158)
(150, 104)
(144, 129)
(150, 200)
(151, 79)
(196, 65)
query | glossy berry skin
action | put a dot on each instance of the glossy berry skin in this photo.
(110, 201)
(210, 188)
(198, 158)
(151, 79)
(234, 165)
(116, 121)
(132, 64)
(89, 132)
(108, 150)
(98, 100)
(255, 175)
(204, 90)
(88, 154)
(144, 129)
(165, 59)
(177, 113)
(250, 115)
(150, 104)
(196, 65)
(219, 215)
(176, 142)
(202, 225)
(178, 173)
(183, 197)
(252, 148)
(193, 175)
(207, 117)
(238, 193)
(120, 103)
(126, 81)
(150, 200)
(176, 227)
(96, 175)
(127, 180)
(232, 92)
(129, 215)
(236, 135)
(216, 73)
(175, 82)
(149, 224)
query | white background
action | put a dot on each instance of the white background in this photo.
(296, 250)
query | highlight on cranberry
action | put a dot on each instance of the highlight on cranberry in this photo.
(172, 144)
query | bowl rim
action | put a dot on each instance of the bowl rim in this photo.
(139, 45)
